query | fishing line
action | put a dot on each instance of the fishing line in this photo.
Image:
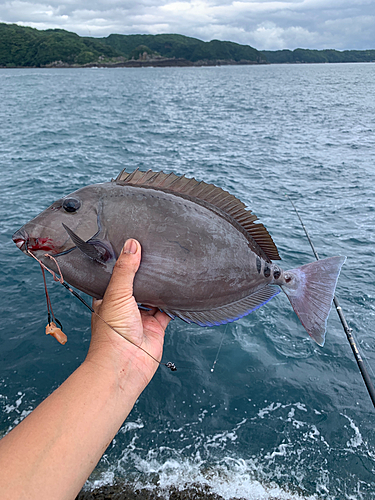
(49, 303)
(60, 279)
(221, 343)
(347, 329)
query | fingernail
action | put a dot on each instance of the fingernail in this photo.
(130, 246)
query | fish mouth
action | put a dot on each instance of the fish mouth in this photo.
(27, 243)
(21, 239)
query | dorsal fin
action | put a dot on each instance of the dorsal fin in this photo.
(208, 193)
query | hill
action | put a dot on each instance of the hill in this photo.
(23, 46)
(29, 47)
(184, 47)
(318, 56)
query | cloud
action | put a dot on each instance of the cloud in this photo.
(269, 36)
(264, 24)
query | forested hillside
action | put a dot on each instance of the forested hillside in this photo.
(22, 47)
(183, 47)
(318, 56)
(28, 47)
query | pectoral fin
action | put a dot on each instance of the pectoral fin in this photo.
(98, 250)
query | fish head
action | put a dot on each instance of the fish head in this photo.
(46, 233)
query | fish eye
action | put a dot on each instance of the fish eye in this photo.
(71, 205)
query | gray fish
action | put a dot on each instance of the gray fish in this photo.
(205, 259)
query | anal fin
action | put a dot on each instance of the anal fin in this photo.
(229, 312)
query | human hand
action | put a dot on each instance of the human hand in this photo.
(141, 328)
(65, 436)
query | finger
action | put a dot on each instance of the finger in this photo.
(121, 284)
(96, 303)
(150, 311)
(163, 319)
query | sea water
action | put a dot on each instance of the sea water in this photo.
(256, 409)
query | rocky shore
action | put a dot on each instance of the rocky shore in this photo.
(127, 492)
(158, 62)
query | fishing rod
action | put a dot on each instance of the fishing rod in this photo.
(347, 329)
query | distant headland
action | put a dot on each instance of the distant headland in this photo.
(24, 47)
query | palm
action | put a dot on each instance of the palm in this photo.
(117, 317)
(144, 329)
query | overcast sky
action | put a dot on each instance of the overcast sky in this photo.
(263, 24)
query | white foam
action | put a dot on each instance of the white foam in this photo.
(164, 467)
(232, 478)
(356, 440)
(209, 461)
(14, 407)
(131, 426)
(282, 451)
(270, 408)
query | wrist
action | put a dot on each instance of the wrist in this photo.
(123, 369)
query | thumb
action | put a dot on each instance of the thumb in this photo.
(121, 284)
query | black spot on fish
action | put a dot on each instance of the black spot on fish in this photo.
(267, 271)
(276, 273)
(259, 265)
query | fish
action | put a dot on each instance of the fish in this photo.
(206, 258)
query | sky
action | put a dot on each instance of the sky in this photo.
(263, 24)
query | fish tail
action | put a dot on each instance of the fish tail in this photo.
(310, 289)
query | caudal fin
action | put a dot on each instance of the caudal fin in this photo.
(311, 289)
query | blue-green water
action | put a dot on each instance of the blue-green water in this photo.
(278, 415)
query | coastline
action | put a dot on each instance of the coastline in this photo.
(171, 63)
(127, 491)
(23, 46)
(149, 63)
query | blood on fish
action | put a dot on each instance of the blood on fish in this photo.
(45, 244)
